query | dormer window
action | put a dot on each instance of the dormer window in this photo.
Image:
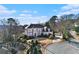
(48, 30)
(45, 28)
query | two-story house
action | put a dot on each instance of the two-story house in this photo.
(37, 30)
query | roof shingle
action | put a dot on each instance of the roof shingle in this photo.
(36, 26)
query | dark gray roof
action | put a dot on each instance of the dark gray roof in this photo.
(25, 25)
(36, 26)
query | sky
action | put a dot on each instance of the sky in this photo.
(36, 13)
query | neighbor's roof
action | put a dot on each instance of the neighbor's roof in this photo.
(36, 26)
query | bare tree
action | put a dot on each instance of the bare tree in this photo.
(11, 29)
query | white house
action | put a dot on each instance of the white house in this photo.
(37, 30)
(47, 31)
(59, 35)
(76, 25)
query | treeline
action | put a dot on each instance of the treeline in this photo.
(14, 40)
(63, 23)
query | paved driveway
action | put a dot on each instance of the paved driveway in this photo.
(61, 48)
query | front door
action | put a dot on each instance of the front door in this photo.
(35, 35)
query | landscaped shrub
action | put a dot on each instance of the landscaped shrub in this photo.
(35, 48)
(31, 37)
(77, 30)
(23, 38)
(65, 35)
(44, 35)
(13, 51)
(51, 37)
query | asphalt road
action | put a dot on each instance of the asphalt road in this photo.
(61, 48)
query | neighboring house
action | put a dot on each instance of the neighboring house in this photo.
(59, 35)
(37, 30)
(76, 25)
